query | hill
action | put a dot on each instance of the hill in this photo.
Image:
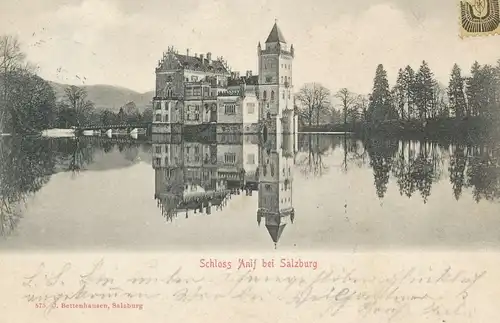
(110, 97)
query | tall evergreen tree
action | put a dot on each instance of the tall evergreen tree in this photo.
(399, 93)
(489, 89)
(424, 91)
(409, 85)
(456, 95)
(473, 90)
(379, 108)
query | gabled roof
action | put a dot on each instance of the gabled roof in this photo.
(195, 63)
(248, 80)
(275, 35)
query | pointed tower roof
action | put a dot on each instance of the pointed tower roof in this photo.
(275, 36)
(275, 231)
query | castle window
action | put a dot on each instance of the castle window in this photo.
(158, 161)
(264, 96)
(166, 160)
(272, 170)
(269, 79)
(158, 118)
(230, 108)
(157, 105)
(158, 149)
(193, 113)
(282, 79)
(229, 158)
(272, 96)
(283, 94)
(165, 118)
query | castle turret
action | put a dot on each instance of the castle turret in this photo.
(275, 83)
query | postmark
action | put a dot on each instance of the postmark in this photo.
(479, 18)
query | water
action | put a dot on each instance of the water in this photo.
(340, 193)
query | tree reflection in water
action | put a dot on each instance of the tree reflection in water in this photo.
(26, 165)
(312, 150)
(415, 165)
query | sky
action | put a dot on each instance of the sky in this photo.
(337, 43)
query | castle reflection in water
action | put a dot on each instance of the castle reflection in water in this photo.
(199, 177)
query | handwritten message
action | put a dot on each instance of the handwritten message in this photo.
(438, 292)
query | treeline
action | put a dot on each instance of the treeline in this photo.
(28, 103)
(416, 102)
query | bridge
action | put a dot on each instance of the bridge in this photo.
(128, 127)
(114, 126)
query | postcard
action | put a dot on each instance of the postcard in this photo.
(249, 161)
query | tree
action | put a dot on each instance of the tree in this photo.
(456, 94)
(347, 104)
(425, 84)
(32, 103)
(76, 99)
(489, 92)
(147, 115)
(361, 106)
(409, 85)
(473, 90)
(11, 60)
(379, 108)
(400, 94)
(314, 100)
(121, 116)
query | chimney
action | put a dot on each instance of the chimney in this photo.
(249, 73)
(209, 58)
(187, 52)
(201, 58)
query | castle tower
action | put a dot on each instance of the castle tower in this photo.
(276, 83)
(275, 186)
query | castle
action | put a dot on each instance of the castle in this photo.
(201, 94)
(196, 178)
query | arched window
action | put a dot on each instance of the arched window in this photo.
(272, 170)
(264, 170)
(272, 96)
(264, 95)
(166, 160)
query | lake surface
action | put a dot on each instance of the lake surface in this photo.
(238, 192)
